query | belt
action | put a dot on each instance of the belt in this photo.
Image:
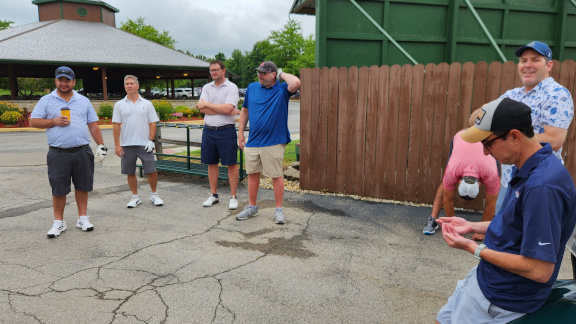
(70, 149)
(219, 127)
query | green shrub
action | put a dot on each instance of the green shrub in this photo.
(181, 109)
(191, 113)
(106, 110)
(10, 117)
(240, 103)
(6, 106)
(163, 108)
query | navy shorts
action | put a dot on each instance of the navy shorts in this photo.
(66, 167)
(219, 146)
(128, 160)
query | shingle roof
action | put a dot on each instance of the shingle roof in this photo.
(87, 43)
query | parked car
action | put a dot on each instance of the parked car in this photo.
(183, 93)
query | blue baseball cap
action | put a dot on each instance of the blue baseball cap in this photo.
(65, 71)
(538, 47)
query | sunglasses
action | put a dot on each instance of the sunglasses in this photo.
(262, 73)
(490, 142)
(67, 72)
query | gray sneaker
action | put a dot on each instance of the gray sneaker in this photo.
(247, 213)
(431, 226)
(279, 216)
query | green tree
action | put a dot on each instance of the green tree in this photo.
(29, 86)
(139, 28)
(220, 56)
(5, 24)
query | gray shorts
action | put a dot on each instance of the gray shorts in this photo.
(66, 167)
(468, 305)
(128, 160)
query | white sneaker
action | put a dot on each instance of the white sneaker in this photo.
(84, 224)
(156, 200)
(135, 201)
(210, 201)
(233, 203)
(56, 230)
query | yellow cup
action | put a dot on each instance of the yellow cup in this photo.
(65, 112)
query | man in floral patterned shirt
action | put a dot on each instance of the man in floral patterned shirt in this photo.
(551, 103)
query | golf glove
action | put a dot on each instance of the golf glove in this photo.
(278, 73)
(150, 146)
(101, 152)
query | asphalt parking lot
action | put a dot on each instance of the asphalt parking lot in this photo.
(336, 260)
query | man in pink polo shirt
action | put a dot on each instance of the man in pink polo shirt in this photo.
(468, 165)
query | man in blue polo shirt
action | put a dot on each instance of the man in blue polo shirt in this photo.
(525, 242)
(266, 107)
(68, 118)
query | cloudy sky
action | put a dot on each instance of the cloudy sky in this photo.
(200, 26)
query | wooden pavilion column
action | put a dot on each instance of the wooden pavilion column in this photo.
(13, 82)
(104, 84)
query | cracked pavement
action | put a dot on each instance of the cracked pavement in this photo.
(336, 260)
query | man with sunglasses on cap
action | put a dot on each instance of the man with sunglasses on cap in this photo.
(68, 118)
(468, 165)
(266, 107)
(525, 242)
(551, 103)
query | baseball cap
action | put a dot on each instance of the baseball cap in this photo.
(538, 47)
(503, 114)
(266, 66)
(65, 71)
(469, 188)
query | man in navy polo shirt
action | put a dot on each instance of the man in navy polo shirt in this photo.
(525, 242)
(266, 107)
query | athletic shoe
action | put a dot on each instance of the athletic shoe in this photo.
(233, 203)
(56, 230)
(135, 201)
(247, 213)
(156, 200)
(210, 201)
(431, 226)
(84, 224)
(279, 216)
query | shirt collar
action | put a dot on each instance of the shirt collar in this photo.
(532, 161)
(539, 86)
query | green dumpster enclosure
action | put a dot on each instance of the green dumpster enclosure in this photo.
(388, 32)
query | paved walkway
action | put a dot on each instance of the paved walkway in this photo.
(336, 260)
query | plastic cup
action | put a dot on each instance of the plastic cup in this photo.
(65, 112)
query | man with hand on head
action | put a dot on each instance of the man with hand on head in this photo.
(551, 103)
(467, 168)
(68, 117)
(266, 107)
(218, 102)
(134, 128)
(525, 242)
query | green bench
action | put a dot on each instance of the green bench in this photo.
(191, 164)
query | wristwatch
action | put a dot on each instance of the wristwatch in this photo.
(478, 250)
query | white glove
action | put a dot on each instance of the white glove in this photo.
(149, 147)
(101, 152)
(278, 73)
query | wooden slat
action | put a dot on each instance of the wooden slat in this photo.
(332, 146)
(555, 72)
(413, 179)
(436, 164)
(343, 121)
(381, 140)
(508, 75)
(360, 132)
(391, 131)
(493, 85)
(466, 89)
(351, 126)
(371, 132)
(306, 132)
(322, 130)
(480, 79)
(403, 132)
(427, 191)
(568, 79)
(452, 125)
(314, 124)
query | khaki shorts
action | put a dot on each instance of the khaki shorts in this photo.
(266, 160)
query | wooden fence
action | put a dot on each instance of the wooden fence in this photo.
(385, 131)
